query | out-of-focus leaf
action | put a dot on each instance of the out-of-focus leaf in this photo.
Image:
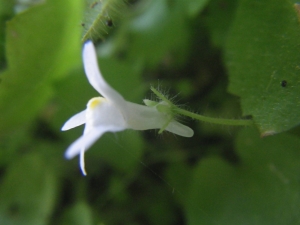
(158, 31)
(125, 77)
(219, 15)
(78, 214)
(195, 6)
(122, 151)
(42, 44)
(6, 12)
(22, 5)
(263, 58)
(262, 189)
(27, 194)
(10, 144)
(100, 17)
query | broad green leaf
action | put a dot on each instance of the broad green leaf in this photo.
(195, 6)
(27, 193)
(157, 31)
(78, 214)
(263, 58)
(6, 12)
(121, 151)
(263, 188)
(218, 17)
(100, 17)
(125, 77)
(42, 45)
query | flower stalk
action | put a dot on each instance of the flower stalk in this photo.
(176, 110)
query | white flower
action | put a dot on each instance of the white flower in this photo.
(111, 113)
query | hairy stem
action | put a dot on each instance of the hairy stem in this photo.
(196, 116)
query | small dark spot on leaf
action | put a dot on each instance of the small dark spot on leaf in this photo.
(109, 23)
(283, 83)
(83, 24)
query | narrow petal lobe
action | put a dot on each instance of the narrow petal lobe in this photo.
(95, 77)
(75, 121)
(86, 140)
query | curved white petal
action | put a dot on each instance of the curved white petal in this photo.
(86, 140)
(75, 121)
(180, 129)
(95, 77)
(91, 134)
(81, 161)
(87, 129)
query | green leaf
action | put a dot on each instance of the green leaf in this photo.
(27, 193)
(6, 12)
(122, 151)
(78, 214)
(157, 31)
(195, 6)
(262, 55)
(219, 16)
(262, 189)
(100, 17)
(43, 44)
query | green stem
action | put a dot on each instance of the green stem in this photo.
(200, 117)
(213, 120)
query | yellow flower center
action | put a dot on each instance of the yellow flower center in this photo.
(94, 102)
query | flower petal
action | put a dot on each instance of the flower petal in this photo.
(86, 140)
(81, 162)
(180, 129)
(140, 117)
(75, 121)
(95, 77)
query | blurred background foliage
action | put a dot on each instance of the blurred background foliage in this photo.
(221, 58)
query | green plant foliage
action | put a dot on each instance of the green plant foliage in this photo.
(6, 12)
(78, 214)
(191, 52)
(195, 6)
(261, 189)
(100, 17)
(122, 152)
(217, 25)
(263, 58)
(157, 31)
(41, 47)
(28, 192)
